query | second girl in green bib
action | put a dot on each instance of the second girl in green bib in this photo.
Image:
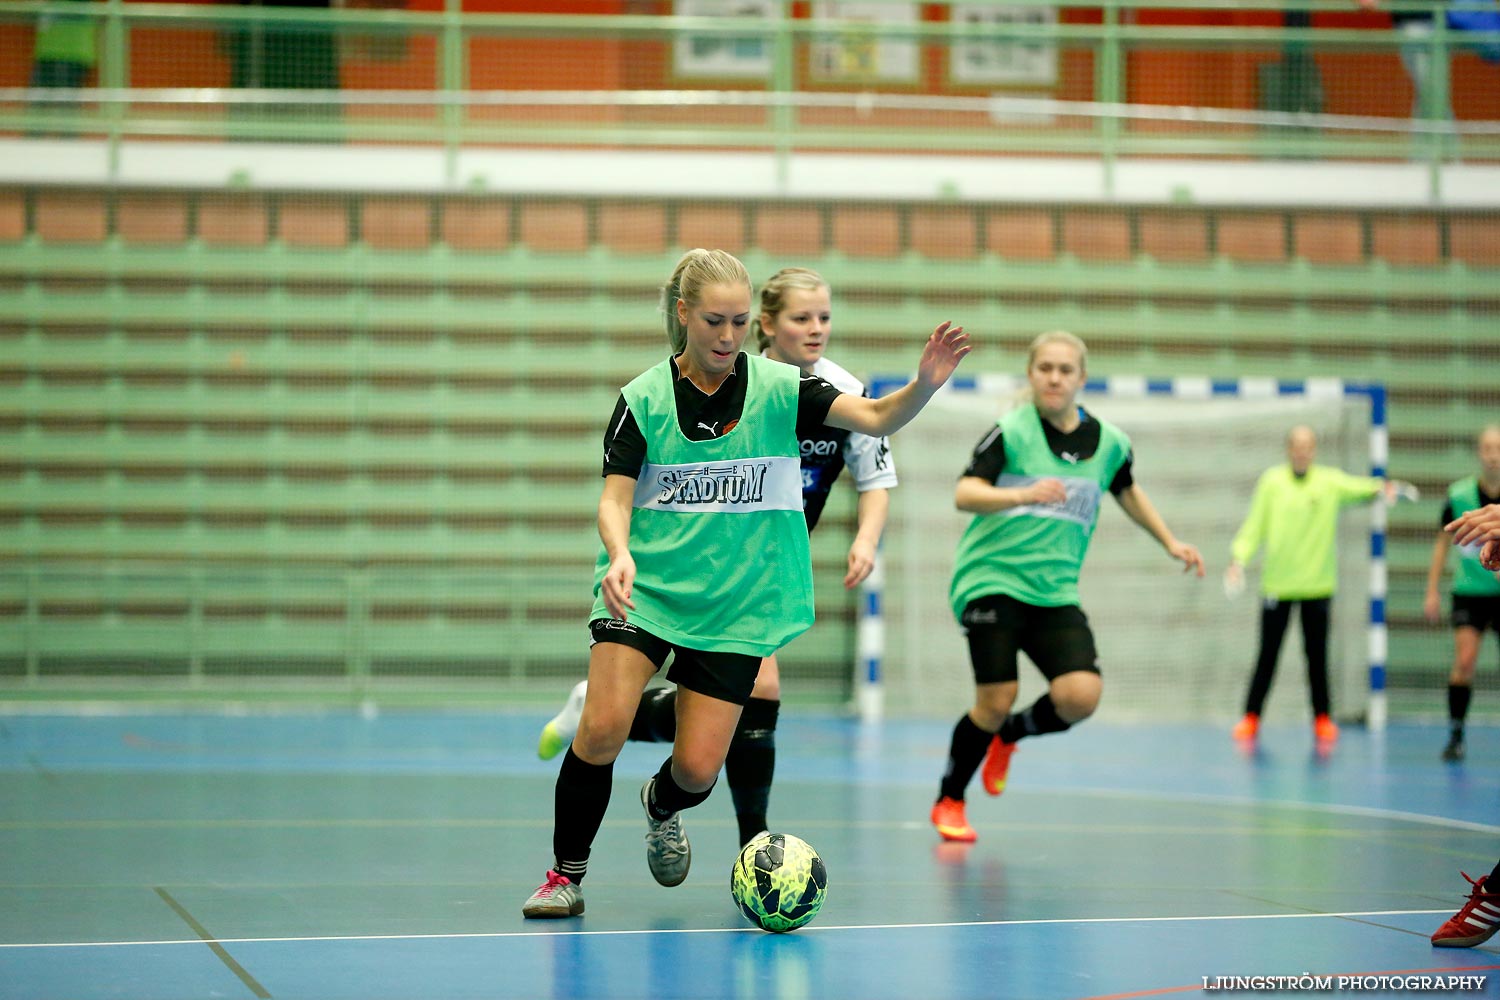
(1034, 486)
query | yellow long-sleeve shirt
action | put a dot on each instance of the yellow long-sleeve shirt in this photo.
(1296, 518)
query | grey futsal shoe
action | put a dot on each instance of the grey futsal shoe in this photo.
(668, 852)
(556, 897)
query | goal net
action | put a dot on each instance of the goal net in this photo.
(1170, 646)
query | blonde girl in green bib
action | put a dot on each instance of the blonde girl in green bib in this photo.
(1476, 591)
(1034, 486)
(705, 555)
(795, 325)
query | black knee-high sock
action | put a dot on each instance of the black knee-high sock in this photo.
(965, 753)
(656, 716)
(1037, 720)
(1458, 706)
(579, 802)
(751, 764)
(668, 796)
(1492, 884)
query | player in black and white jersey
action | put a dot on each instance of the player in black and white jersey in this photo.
(796, 319)
(793, 327)
(827, 451)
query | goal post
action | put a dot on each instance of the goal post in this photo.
(1170, 648)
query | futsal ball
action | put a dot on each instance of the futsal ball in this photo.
(778, 882)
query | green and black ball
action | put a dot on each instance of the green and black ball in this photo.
(778, 882)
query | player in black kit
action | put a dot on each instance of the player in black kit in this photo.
(793, 327)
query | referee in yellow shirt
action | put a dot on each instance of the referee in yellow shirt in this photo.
(1294, 514)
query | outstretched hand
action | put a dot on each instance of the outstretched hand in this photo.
(945, 349)
(1188, 555)
(1400, 489)
(1489, 556)
(1482, 524)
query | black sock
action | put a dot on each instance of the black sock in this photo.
(965, 754)
(1039, 719)
(751, 764)
(1492, 883)
(1458, 707)
(579, 802)
(668, 796)
(656, 716)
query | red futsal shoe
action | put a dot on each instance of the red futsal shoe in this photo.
(948, 816)
(1474, 923)
(996, 765)
(1247, 727)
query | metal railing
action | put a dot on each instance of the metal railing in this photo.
(776, 101)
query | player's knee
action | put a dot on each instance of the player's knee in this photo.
(1076, 708)
(1076, 695)
(600, 735)
(593, 748)
(694, 774)
(991, 708)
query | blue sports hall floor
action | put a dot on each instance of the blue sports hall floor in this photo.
(331, 856)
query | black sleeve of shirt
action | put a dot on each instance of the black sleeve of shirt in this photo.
(989, 457)
(815, 396)
(1447, 517)
(624, 444)
(1125, 478)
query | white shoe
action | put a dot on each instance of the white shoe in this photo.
(668, 853)
(557, 897)
(558, 733)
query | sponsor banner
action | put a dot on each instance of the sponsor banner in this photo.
(1081, 507)
(739, 486)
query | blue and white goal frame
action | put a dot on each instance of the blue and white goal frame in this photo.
(870, 637)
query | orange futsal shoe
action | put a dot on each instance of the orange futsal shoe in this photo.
(1475, 923)
(996, 765)
(1247, 727)
(948, 817)
(1325, 730)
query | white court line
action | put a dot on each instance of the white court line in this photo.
(728, 930)
(1373, 812)
(1197, 798)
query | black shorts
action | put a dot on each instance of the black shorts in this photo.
(1058, 640)
(726, 676)
(1476, 612)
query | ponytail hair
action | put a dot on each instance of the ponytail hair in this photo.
(773, 296)
(696, 270)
